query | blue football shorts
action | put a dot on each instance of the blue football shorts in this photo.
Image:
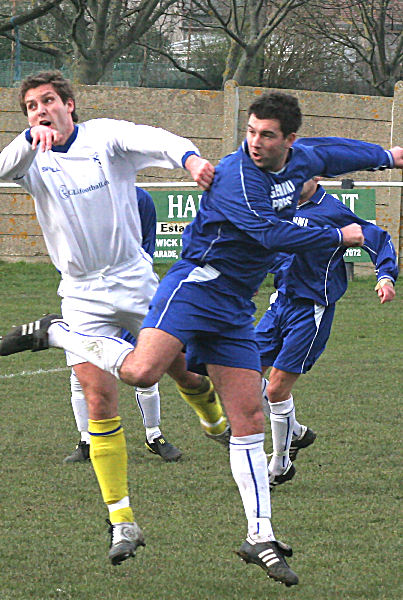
(215, 323)
(292, 334)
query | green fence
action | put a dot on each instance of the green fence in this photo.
(120, 74)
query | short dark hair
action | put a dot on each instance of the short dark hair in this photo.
(280, 106)
(62, 86)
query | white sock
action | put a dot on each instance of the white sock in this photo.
(85, 437)
(78, 404)
(105, 352)
(148, 400)
(249, 469)
(152, 433)
(282, 416)
(298, 430)
(265, 397)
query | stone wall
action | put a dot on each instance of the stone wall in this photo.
(216, 122)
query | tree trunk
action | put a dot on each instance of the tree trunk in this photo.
(231, 62)
(87, 71)
(242, 69)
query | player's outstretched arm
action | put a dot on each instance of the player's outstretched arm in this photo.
(397, 153)
(386, 290)
(352, 235)
(201, 170)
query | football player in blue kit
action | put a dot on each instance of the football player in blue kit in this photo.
(293, 332)
(204, 303)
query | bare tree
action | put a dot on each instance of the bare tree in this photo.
(89, 35)
(366, 34)
(8, 21)
(247, 23)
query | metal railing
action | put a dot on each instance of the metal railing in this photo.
(346, 184)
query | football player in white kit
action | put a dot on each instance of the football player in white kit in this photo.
(82, 178)
(148, 399)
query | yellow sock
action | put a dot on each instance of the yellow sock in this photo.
(109, 458)
(206, 404)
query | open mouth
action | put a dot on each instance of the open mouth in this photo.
(46, 123)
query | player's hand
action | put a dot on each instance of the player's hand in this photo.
(201, 170)
(386, 291)
(44, 137)
(397, 153)
(352, 235)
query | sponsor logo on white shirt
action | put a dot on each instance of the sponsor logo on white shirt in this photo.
(65, 193)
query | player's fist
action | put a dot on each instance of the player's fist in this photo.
(397, 153)
(44, 137)
(352, 235)
(201, 171)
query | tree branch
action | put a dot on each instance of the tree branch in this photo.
(29, 15)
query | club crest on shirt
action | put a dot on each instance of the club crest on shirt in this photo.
(95, 158)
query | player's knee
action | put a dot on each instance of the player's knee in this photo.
(143, 376)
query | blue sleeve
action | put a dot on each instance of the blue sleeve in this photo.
(377, 243)
(381, 250)
(243, 200)
(334, 156)
(148, 217)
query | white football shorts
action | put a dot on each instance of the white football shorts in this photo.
(104, 302)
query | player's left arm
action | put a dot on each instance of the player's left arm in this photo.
(331, 156)
(379, 246)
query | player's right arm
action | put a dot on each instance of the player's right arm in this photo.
(243, 199)
(16, 159)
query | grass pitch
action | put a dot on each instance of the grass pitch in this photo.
(340, 512)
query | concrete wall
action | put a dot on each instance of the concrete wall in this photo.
(216, 122)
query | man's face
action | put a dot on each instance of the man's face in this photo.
(268, 148)
(45, 107)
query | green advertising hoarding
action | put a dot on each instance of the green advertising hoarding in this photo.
(363, 204)
(177, 208)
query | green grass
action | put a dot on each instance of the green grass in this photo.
(341, 512)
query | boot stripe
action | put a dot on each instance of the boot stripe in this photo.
(268, 556)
